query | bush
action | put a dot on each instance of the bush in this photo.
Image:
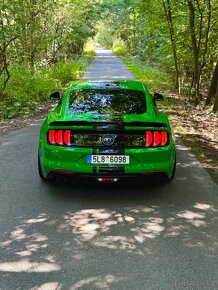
(155, 78)
(119, 47)
(68, 71)
(25, 91)
(89, 49)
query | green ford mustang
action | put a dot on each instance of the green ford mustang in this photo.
(106, 130)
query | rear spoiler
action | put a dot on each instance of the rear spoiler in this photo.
(107, 124)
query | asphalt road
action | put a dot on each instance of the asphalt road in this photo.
(97, 236)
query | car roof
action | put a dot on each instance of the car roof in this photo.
(108, 84)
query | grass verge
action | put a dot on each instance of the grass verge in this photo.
(155, 78)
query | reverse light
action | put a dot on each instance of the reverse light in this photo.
(59, 137)
(107, 179)
(156, 138)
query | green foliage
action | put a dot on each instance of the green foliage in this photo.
(26, 91)
(105, 35)
(42, 34)
(119, 47)
(38, 34)
(89, 49)
(168, 35)
(71, 70)
(41, 44)
(154, 77)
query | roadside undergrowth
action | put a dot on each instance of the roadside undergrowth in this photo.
(155, 78)
(26, 93)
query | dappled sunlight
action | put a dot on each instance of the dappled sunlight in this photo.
(136, 226)
(204, 148)
(143, 209)
(189, 168)
(181, 178)
(24, 265)
(96, 282)
(24, 243)
(196, 219)
(89, 223)
(18, 234)
(182, 147)
(204, 206)
(95, 226)
(190, 164)
(199, 218)
(51, 245)
(40, 219)
(106, 228)
(48, 286)
(116, 243)
(150, 229)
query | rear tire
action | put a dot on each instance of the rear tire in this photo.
(173, 173)
(40, 170)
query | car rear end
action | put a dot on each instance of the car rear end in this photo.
(108, 145)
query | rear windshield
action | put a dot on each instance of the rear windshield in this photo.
(108, 102)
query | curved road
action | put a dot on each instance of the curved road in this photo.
(95, 236)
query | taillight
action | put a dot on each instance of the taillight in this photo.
(51, 137)
(156, 138)
(149, 138)
(59, 137)
(164, 138)
(67, 137)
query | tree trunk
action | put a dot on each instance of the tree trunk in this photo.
(4, 65)
(213, 86)
(4, 70)
(167, 9)
(134, 31)
(195, 51)
(32, 36)
(205, 48)
(127, 33)
(215, 107)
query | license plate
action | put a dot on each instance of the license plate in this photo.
(108, 159)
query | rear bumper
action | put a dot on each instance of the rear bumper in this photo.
(75, 176)
(73, 161)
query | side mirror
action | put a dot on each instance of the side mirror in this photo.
(157, 97)
(55, 96)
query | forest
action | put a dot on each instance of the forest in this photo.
(46, 44)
